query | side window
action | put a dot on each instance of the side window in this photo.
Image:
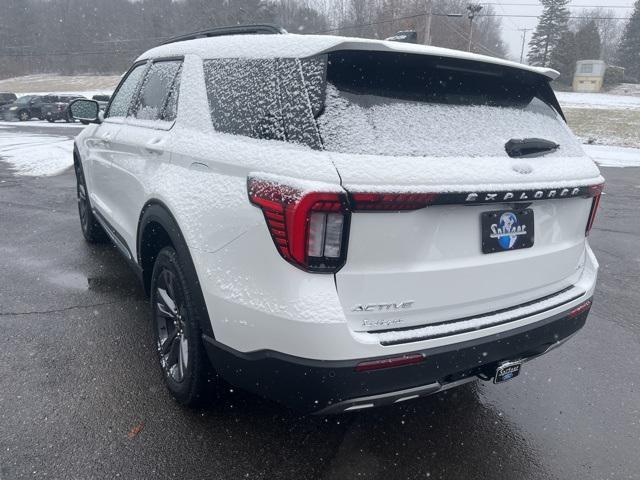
(159, 93)
(265, 98)
(243, 97)
(122, 100)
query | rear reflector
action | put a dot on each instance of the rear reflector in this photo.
(390, 362)
(583, 307)
(309, 229)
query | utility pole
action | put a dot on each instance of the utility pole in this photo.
(428, 8)
(524, 37)
(473, 9)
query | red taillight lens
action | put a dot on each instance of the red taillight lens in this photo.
(391, 201)
(389, 362)
(583, 307)
(592, 214)
(309, 229)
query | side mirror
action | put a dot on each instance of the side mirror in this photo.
(85, 110)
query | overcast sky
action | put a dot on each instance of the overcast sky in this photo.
(510, 25)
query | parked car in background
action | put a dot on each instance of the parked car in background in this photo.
(6, 97)
(103, 101)
(57, 107)
(18, 109)
(24, 108)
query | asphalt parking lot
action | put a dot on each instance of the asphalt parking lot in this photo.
(81, 396)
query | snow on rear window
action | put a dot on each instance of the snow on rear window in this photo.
(401, 104)
(371, 124)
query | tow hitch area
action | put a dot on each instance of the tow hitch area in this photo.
(507, 371)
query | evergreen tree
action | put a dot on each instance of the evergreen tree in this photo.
(629, 53)
(552, 24)
(588, 42)
(564, 57)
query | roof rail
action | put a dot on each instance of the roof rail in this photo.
(265, 29)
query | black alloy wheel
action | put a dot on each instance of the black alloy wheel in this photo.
(177, 330)
(91, 229)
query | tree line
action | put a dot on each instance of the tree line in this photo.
(560, 41)
(104, 36)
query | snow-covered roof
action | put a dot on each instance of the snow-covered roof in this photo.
(301, 46)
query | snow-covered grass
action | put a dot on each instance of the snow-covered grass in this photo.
(35, 155)
(598, 100)
(605, 127)
(51, 83)
(603, 118)
(607, 156)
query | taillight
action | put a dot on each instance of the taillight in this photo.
(309, 228)
(596, 191)
(391, 201)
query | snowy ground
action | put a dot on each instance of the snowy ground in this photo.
(35, 154)
(609, 123)
(598, 101)
(37, 124)
(607, 156)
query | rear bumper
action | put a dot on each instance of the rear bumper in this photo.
(326, 387)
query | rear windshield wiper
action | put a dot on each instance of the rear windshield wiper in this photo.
(529, 147)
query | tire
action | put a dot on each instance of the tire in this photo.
(176, 326)
(91, 229)
(23, 116)
(50, 120)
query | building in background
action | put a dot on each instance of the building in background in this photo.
(589, 76)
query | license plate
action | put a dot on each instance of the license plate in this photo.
(506, 371)
(504, 230)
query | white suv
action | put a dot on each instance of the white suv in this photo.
(339, 223)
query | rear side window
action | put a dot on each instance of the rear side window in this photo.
(124, 96)
(383, 103)
(261, 98)
(243, 97)
(159, 92)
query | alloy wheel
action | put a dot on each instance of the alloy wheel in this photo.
(172, 325)
(83, 204)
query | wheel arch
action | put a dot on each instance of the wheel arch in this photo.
(158, 228)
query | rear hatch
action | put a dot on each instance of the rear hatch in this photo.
(420, 144)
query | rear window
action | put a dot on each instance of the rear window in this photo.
(411, 105)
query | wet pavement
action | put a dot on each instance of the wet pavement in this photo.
(81, 396)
